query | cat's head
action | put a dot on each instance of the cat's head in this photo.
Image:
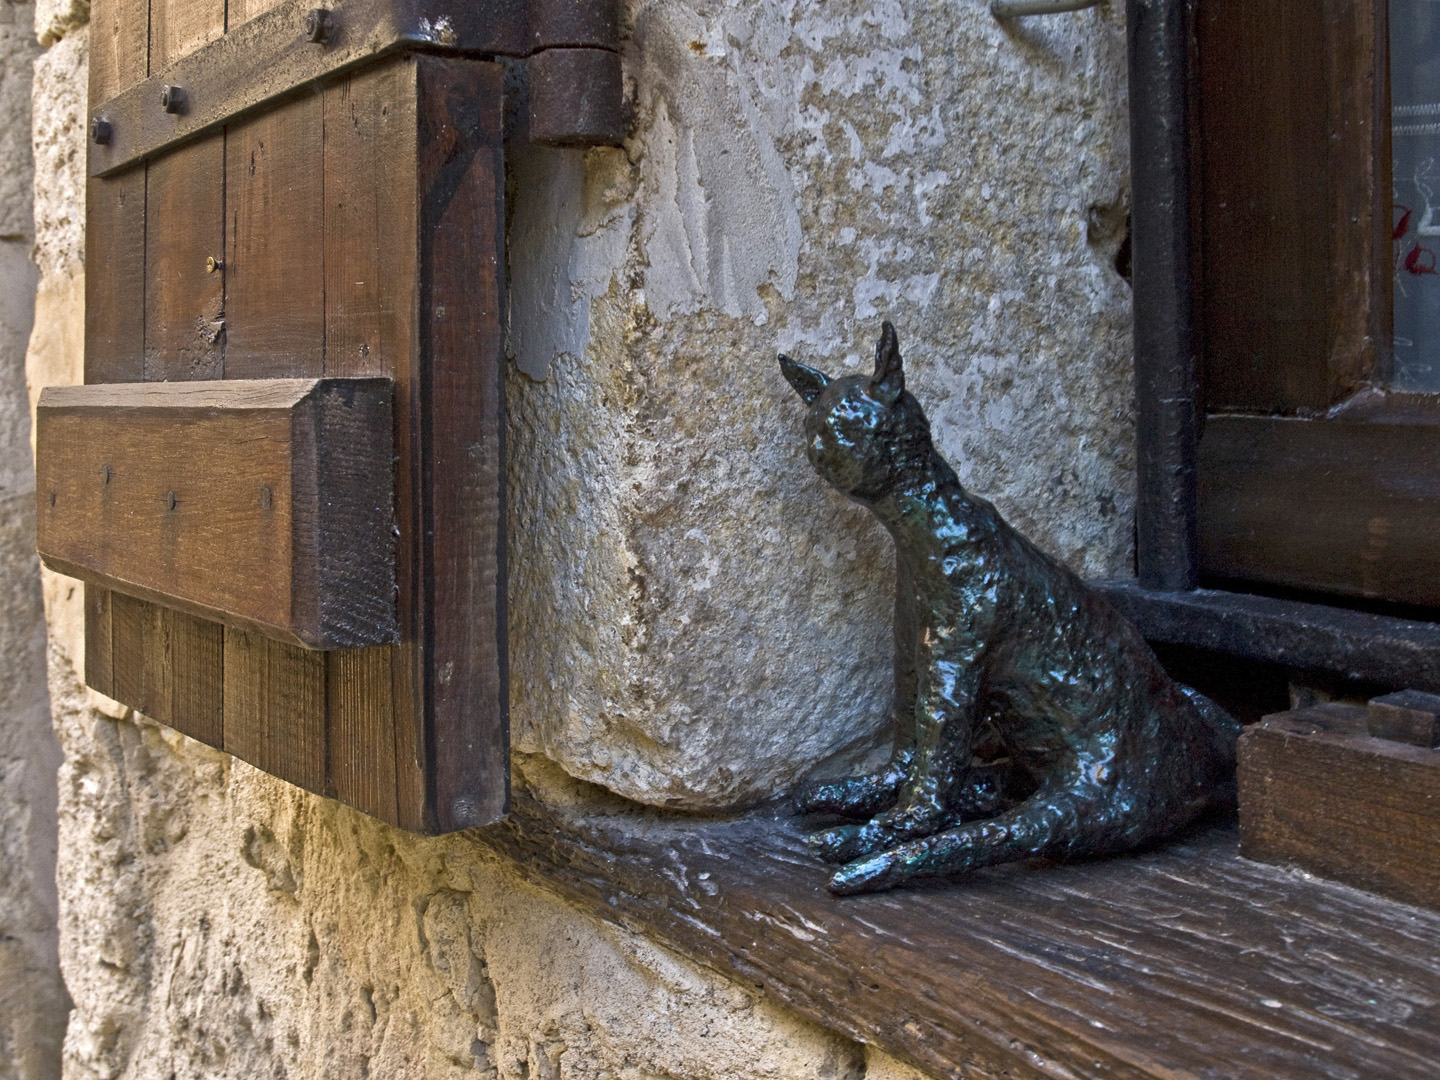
(861, 429)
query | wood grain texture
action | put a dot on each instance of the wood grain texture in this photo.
(372, 226)
(1325, 505)
(169, 666)
(275, 708)
(1294, 231)
(1186, 963)
(115, 208)
(275, 246)
(461, 415)
(264, 504)
(99, 659)
(184, 226)
(1317, 791)
(266, 57)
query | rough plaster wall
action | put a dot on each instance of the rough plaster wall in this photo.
(33, 1003)
(696, 621)
(217, 923)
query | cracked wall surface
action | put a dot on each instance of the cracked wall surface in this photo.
(696, 621)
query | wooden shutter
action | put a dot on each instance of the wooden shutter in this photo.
(283, 481)
(1311, 475)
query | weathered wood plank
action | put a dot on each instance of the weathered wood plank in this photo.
(167, 665)
(1325, 505)
(1185, 963)
(361, 738)
(275, 229)
(264, 504)
(267, 57)
(275, 708)
(1319, 792)
(370, 295)
(461, 402)
(99, 659)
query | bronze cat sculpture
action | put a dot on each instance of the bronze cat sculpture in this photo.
(1030, 719)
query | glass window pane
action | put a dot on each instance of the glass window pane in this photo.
(1415, 129)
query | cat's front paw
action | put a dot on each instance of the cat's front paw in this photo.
(859, 797)
(875, 874)
(846, 843)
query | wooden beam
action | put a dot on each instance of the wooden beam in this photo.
(273, 56)
(1316, 637)
(261, 504)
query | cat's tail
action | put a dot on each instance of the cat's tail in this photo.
(1226, 730)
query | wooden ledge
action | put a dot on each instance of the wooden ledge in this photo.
(1185, 962)
(1402, 653)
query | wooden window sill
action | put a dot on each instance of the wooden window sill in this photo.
(1187, 961)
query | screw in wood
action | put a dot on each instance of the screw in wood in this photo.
(267, 497)
(172, 99)
(318, 26)
(105, 474)
(101, 130)
(212, 264)
(170, 500)
(52, 498)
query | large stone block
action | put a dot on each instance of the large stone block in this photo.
(696, 620)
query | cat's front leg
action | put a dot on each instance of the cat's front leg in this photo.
(862, 797)
(937, 791)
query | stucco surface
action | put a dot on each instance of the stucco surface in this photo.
(33, 1004)
(697, 621)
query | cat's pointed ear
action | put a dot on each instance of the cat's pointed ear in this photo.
(806, 380)
(888, 382)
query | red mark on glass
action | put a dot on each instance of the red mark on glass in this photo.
(1420, 261)
(1403, 224)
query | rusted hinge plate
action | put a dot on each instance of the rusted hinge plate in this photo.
(294, 45)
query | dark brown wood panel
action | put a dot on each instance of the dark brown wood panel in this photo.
(275, 244)
(184, 300)
(1294, 215)
(1182, 963)
(461, 410)
(99, 661)
(168, 665)
(376, 735)
(275, 708)
(264, 59)
(1330, 506)
(261, 503)
(362, 731)
(1318, 792)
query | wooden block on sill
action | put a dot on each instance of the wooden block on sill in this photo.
(265, 504)
(1319, 792)
(1408, 716)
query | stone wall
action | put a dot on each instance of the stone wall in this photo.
(33, 1004)
(696, 621)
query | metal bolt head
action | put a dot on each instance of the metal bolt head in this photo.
(318, 25)
(172, 99)
(101, 130)
(212, 264)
